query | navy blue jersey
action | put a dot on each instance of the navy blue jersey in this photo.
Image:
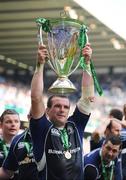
(4, 149)
(20, 157)
(93, 166)
(47, 143)
(94, 145)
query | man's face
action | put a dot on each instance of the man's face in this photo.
(116, 128)
(11, 124)
(58, 113)
(109, 152)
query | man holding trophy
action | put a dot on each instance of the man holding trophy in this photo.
(57, 137)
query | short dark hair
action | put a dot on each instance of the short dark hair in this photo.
(114, 139)
(7, 111)
(116, 113)
(49, 102)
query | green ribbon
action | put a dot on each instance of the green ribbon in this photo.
(97, 85)
(4, 147)
(109, 174)
(82, 40)
(27, 144)
(45, 23)
(64, 139)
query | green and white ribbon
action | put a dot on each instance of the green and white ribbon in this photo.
(45, 23)
(82, 40)
(4, 147)
(64, 139)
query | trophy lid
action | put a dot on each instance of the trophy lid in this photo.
(63, 19)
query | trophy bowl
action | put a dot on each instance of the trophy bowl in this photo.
(62, 37)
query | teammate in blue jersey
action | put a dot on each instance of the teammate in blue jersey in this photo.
(10, 125)
(104, 163)
(20, 158)
(111, 127)
(57, 138)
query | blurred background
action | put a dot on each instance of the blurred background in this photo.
(18, 46)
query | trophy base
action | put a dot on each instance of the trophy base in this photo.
(62, 86)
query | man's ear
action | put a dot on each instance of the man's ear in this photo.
(47, 110)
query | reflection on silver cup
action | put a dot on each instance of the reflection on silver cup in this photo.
(64, 51)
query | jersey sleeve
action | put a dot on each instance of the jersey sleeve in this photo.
(80, 121)
(118, 168)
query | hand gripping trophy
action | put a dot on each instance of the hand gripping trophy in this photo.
(65, 39)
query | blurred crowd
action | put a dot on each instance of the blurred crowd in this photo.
(104, 136)
(16, 95)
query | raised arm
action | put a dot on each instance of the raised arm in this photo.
(37, 84)
(104, 128)
(84, 104)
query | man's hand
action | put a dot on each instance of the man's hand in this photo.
(87, 53)
(95, 136)
(43, 55)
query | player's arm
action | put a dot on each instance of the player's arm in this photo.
(87, 97)
(37, 84)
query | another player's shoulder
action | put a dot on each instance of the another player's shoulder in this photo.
(18, 137)
(92, 157)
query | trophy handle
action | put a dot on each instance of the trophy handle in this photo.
(40, 36)
(74, 69)
(40, 42)
(52, 67)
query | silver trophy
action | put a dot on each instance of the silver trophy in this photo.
(64, 51)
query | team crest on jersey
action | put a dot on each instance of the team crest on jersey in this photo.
(55, 132)
(21, 145)
(70, 130)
